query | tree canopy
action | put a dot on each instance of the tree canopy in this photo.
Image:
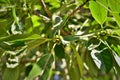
(59, 39)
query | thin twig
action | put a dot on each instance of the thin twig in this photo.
(27, 61)
(45, 8)
(42, 16)
(78, 8)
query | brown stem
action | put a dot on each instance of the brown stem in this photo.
(27, 61)
(42, 16)
(78, 8)
(45, 8)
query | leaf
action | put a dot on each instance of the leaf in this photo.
(116, 62)
(3, 1)
(40, 66)
(5, 46)
(117, 18)
(46, 65)
(36, 70)
(105, 56)
(15, 16)
(116, 32)
(11, 74)
(34, 43)
(71, 38)
(17, 44)
(115, 8)
(28, 69)
(28, 25)
(103, 3)
(107, 62)
(79, 60)
(73, 70)
(54, 4)
(92, 68)
(114, 5)
(1, 52)
(98, 12)
(35, 20)
(45, 61)
(113, 40)
(59, 51)
(116, 49)
(20, 37)
(102, 56)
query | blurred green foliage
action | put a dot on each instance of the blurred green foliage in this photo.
(59, 40)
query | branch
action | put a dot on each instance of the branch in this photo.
(27, 61)
(78, 8)
(36, 12)
(45, 8)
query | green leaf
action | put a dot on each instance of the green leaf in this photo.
(105, 56)
(17, 44)
(40, 66)
(107, 62)
(11, 74)
(46, 64)
(79, 60)
(1, 52)
(28, 25)
(116, 65)
(35, 21)
(55, 3)
(113, 40)
(98, 12)
(20, 37)
(103, 3)
(5, 46)
(36, 43)
(3, 1)
(115, 8)
(92, 68)
(45, 60)
(114, 5)
(59, 51)
(116, 49)
(117, 18)
(36, 70)
(71, 38)
(73, 70)
(116, 32)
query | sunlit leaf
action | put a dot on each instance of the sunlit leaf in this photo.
(35, 21)
(114, 5)
(36, 70)
(117, 18)
(116, 49)
(116, 32)
(55, 3)
(40, 66)
(98, 12)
